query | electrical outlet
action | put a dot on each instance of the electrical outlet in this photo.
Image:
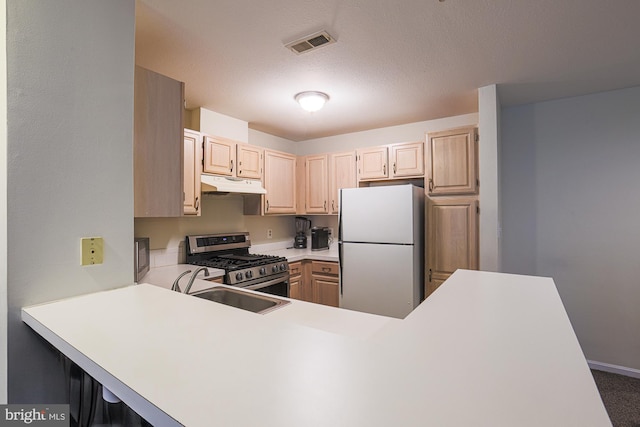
(92, 250)
(269, 233)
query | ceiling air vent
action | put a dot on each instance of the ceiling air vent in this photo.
(309, 43)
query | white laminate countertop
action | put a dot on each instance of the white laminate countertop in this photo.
(330, 319)
(293, 255)
(486, 349)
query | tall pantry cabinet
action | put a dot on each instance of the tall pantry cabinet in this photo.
(452, 204)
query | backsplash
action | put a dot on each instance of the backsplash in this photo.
(220, 214)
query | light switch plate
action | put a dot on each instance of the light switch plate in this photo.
(92, 250)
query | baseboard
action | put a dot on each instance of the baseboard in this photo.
(615, 369)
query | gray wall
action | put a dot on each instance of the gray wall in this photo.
(69, 168)
(571, 209)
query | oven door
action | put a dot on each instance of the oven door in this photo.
(276, 285)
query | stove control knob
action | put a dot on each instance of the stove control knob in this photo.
(283, 267)
(249, 274)
(238, 276)
(263, 271)
(274, 268)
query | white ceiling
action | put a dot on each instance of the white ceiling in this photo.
(395, 61)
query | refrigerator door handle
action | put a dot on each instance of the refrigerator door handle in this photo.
(340, 266)
(340, 215)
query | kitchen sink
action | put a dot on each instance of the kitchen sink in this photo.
(256, 303)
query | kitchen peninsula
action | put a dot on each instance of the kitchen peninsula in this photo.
(486, 349)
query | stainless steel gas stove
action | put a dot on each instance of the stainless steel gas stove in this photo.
(230, 252)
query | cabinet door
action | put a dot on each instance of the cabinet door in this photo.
(324, 283)
(158, 147)
(249, 161)
(279, 181)
(295, 287)
(219, 156)
(372, 163)
(407, 160)
(316, 184)
(451, 162)
(295, 280)
(192, 171)
(325, 290)
(342, 171)
(452, 237)
(433, 282)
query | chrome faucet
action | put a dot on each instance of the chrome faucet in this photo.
(175, 286)
(193, 277)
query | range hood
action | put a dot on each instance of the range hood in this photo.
(221, 184)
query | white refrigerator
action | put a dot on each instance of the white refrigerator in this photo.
(381, 241)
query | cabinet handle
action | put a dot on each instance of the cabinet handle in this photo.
(325, 205)
(430, 275)
(394, 167)
(231, 166)
(430, 185)
(197, 203)
(267, 206)
(384, 169)
(326, 269)
(333, 205)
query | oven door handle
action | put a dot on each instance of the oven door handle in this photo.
(279, 279)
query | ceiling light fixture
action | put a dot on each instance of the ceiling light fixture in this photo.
(311, 101)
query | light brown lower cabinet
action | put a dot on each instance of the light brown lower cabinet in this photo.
(324, 282)
(314, 281)
(295, 280)
(452, 238)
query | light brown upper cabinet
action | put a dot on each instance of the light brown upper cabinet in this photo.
(249, 161)
(280, 182)
(342, 174)
(219, 156)
(226, 157)
(317, 184)
(323, 176)
(192, 171)
(452, 238)
(407, 160)
(158, 145)
(393, 161)
(372, 163)
(452, 162)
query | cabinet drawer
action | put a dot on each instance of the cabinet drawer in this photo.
(295, 268)
(330, 268)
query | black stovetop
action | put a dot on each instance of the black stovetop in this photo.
(235, 261)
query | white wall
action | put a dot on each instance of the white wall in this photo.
(212, 123)
(272, 142)
(69, 169)
(570, 199)
(381, 136)
(489, 176)
(3, 202)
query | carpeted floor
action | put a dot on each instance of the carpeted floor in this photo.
(621, 397)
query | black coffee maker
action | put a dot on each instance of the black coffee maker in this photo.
(302, 226)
